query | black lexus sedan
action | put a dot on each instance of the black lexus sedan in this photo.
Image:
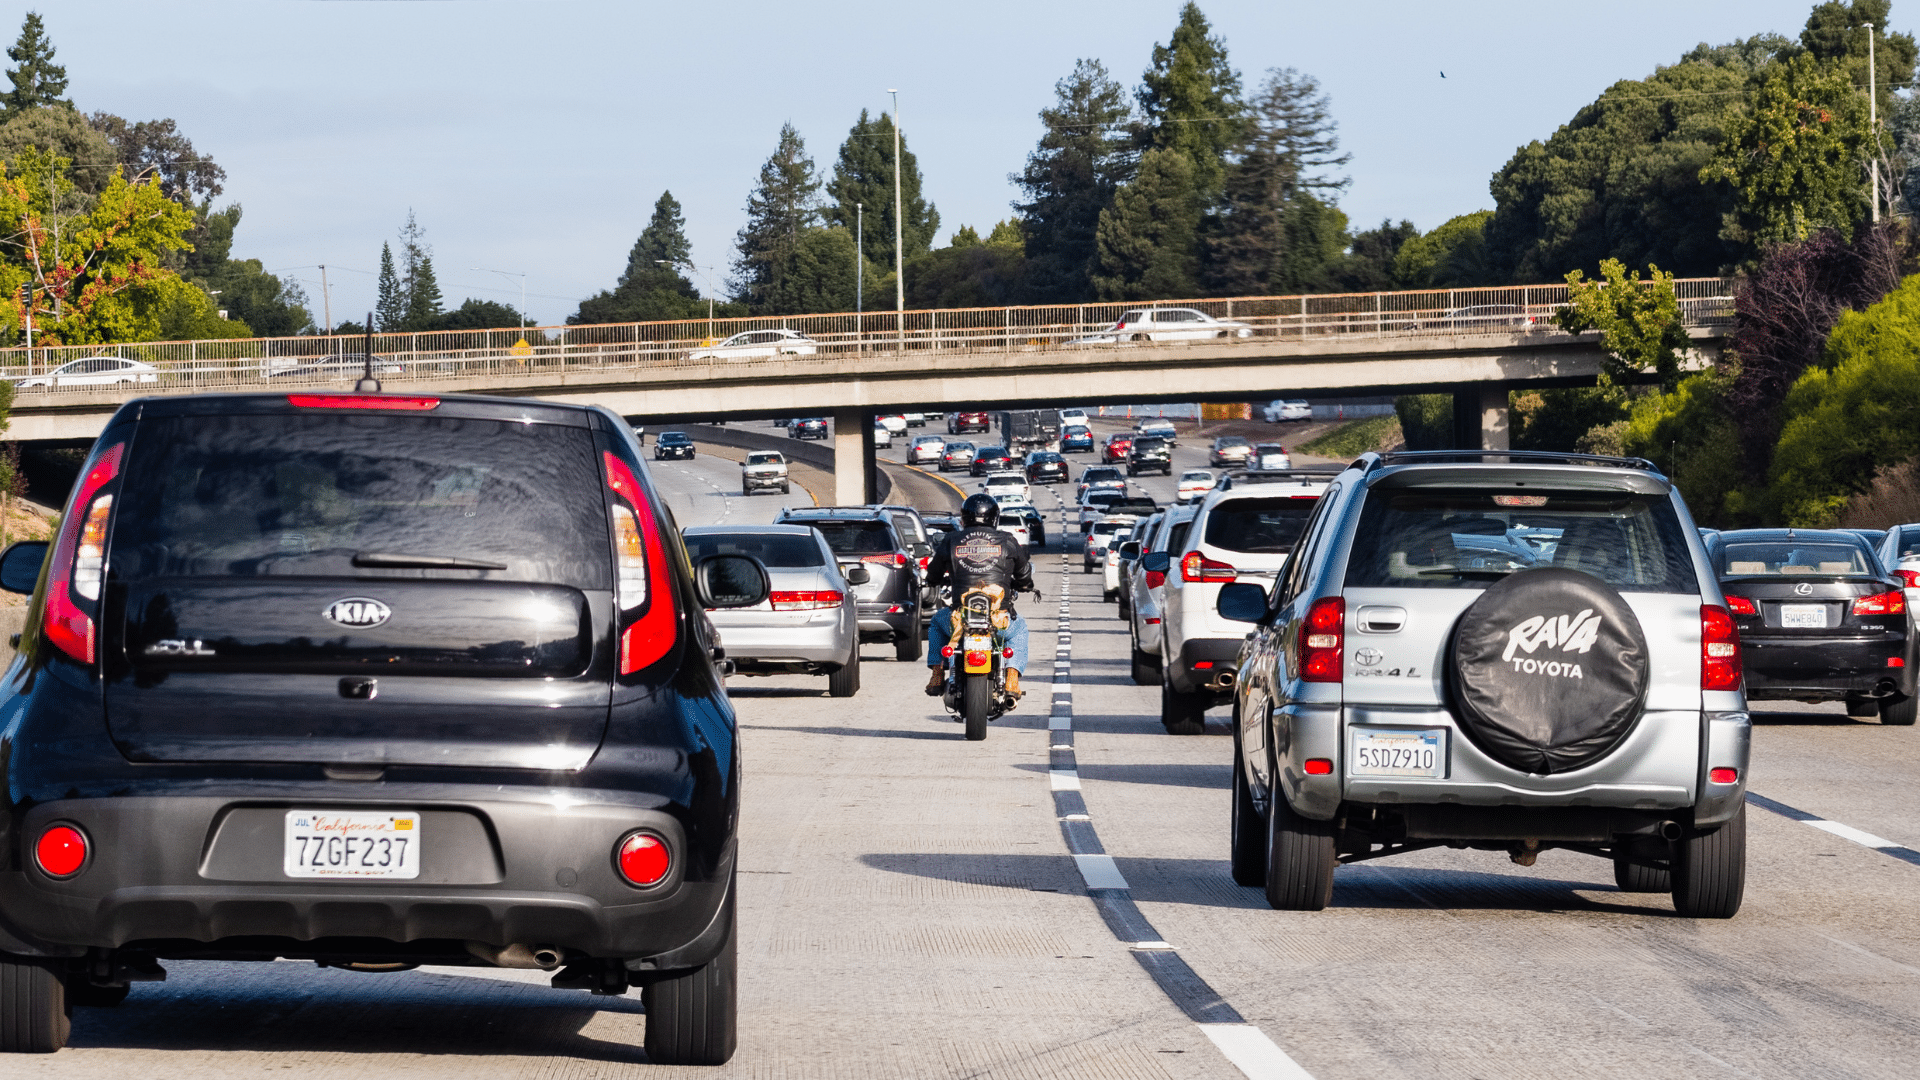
(1820, 619)
(672, 444)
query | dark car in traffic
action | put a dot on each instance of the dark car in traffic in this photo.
(812, 427)
(305, 676)
(888, 604)
(1820, 619)
(1150, 453)
(1046, 467)
(673, 445)
(1076, 440)
(990, 459)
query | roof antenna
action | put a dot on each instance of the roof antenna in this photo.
(368, 384)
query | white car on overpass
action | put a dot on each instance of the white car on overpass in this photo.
(758, 344)
(1165, 324)
(100, 370)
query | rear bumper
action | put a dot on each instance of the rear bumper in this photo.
(1221, 657)
(879, 623)
(165, 873)
(828, 642)
(1827, 669)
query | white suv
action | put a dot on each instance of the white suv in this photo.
(1245, 534)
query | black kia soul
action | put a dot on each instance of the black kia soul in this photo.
(376, 681)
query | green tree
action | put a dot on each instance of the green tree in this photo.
(663, 241)
(864, 177)
(1687, 433)
(1453, 255)
(971, 272)
(1281, 171)
(158, 148)
(1371, 255)
(1795, 158)
(1082, 158)
(783, 205)
(419, 292)
(1836, 35)
(1316, 242)
(1146, 241)
(1639, 322)
(1190, 102)
(390, 309)
(478, 315)
(651, 288)
(272, 306)
(815, 274)
(64, 133)
(37, 81)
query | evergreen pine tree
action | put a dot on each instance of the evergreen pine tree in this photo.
(390, 310)
(1082, 159)
(664, 240)
(782, 205)
(864, 177)
(424, 303)
(37, 81)
(1146, 241)
(1190, 101)
(1289, 147)
(647, 290)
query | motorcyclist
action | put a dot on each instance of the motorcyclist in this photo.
(978, 554)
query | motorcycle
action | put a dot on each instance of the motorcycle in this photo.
(976, 658)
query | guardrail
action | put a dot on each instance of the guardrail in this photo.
(663, 347)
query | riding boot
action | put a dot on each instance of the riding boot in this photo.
(936, 682)
(1013, 681)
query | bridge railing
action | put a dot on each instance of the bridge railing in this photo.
(660, 348)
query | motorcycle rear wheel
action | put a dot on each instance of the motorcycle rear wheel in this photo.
(976, 697)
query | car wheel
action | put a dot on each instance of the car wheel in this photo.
(1899, 713)
(1108, 596)
(84, 994)
(694, 1018)
(33, 1009)
(1247, 847)
(1145, 671)
(1300, 859)
(1639, 878)
(1710, 870)
(1086, 568)
(1181, 713)
(746, 491)
(907, 649)
(846, 681)
(785, 490)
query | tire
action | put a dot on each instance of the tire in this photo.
(1181, 714)
(1108, 596)
(976, 698)
(746, 491)
(907, 649)
(33, 1009)
(1086, 568)
(694, 1018)
(785, 490)
(1899, 713)
(1247, 843)
(1635, 878)
(1145, 671)
(1710, 870)
(83, 994)
(846, 681)
(1300, 859)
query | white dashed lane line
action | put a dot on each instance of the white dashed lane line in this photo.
(1845, 832)
(1250, 1050)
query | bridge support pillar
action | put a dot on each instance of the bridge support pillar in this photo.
(1480, 418)
(853, 457)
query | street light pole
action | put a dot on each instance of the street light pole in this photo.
(859, 274)
(899, 278)
(523, 291)
(1873, 124)
(326, 297)
(697, 268)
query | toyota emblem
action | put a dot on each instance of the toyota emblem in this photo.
(1368, 657)
(1805, 588)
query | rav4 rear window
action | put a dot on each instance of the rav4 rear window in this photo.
(1437, 539)
(856, 537)
(257, 496)
(1258, 526)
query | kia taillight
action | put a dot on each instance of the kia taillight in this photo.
(643, 590)
(1197, 567)
(1740, 605)
(80, 560)
(806, 600)
(1886, 603)
(1320, 640)
(1719, 649)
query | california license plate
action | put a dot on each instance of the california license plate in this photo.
(325, 844)
(1803, 616)
(1398, 752)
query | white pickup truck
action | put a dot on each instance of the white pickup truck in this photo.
(763, 469)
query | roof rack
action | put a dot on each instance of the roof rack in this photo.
(1507, 457)
(1310, 474)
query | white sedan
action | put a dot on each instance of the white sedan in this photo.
(1286, 410)
(1194, 484)
(754, 344)
(94, 371)
(1166, 324)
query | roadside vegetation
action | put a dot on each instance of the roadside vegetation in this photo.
(1356, 437)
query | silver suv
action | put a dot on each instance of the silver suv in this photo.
(1146, 585)
(1503, 651)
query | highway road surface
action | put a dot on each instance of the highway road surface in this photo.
(911, 907)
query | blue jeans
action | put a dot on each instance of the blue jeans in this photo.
(940, 631)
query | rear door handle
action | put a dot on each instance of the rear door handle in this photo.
(1380, 619)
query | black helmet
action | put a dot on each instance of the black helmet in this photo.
(979, 510)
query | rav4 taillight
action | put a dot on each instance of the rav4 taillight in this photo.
(1320, 640)
(80, 561)
(1197, 567)
(1886, 603)
(1719, 649)
(642, 589)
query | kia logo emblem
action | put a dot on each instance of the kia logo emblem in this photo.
(359, 612)
(1804, 589)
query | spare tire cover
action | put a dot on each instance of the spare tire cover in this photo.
(1549, 670)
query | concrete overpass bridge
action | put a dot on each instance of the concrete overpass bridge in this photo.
(1475, 343)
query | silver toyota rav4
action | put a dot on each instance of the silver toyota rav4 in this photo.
(1494, 650)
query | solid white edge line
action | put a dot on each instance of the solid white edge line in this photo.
(1848, 832)
(1256, 1056)
(1100, 872)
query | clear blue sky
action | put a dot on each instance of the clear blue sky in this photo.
(534, 137)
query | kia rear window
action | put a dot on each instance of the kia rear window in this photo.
(270, 496)
(776, 551)
(856, 537)
(1439, 539)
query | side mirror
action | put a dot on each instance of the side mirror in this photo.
(731, 581)
(856, 574)
(1130, 549)
(1156, 562)
(1242, 603)
(20, 566)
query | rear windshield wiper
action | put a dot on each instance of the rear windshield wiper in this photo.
(1459, 571)
(422, 562)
